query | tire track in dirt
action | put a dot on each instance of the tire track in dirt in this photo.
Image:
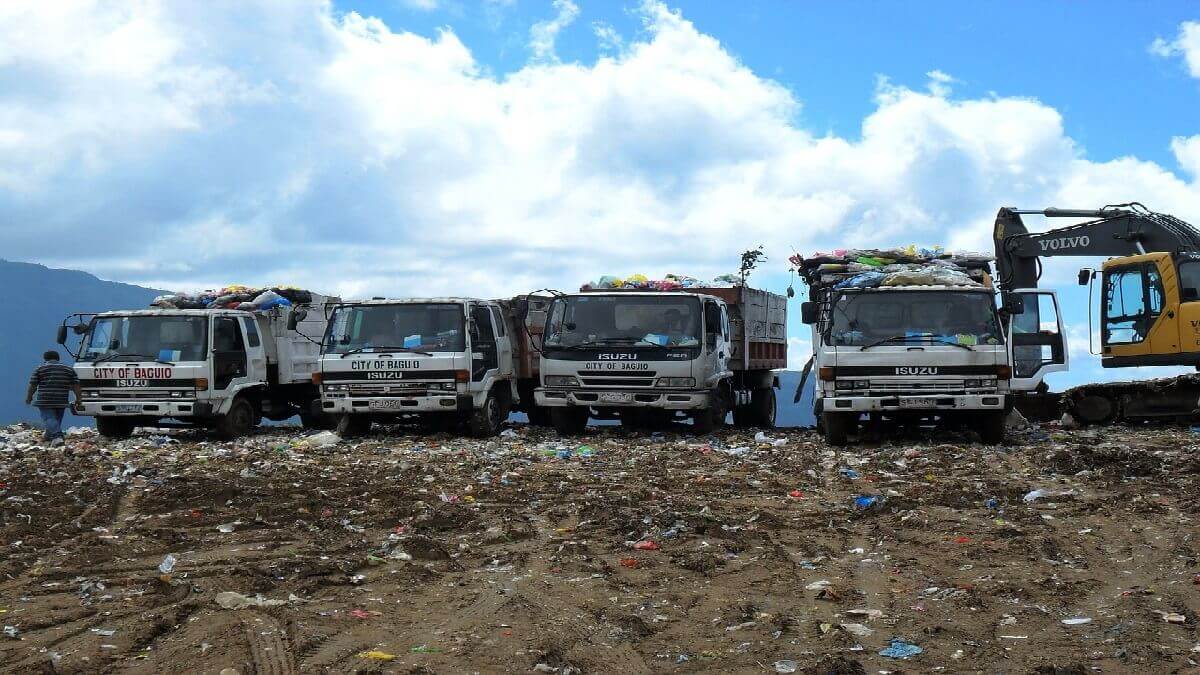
(270, 647)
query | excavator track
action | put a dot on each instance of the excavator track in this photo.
(1170, 399)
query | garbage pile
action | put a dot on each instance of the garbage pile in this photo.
(740, 551)
(670, 282)
(245, 298)
(907, 266)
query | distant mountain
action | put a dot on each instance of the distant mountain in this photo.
(40, 297)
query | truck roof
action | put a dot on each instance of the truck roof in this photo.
(618, 291)
(879, 289)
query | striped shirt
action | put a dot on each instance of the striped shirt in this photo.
(52, 381)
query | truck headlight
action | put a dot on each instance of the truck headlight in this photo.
(862, 384)
(561, 381)
(91, 394)
(676, 382)
(972, 383)
(853, 384)
(337, 387)
(447, 386)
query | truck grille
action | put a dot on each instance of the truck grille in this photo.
(139, 394)
(393, 388)
(641, 378)
(921, 385)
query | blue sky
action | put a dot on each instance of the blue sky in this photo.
(408, 147)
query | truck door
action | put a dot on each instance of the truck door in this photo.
(484, 357)
(1036, 339)
(230, 363)
(504, 347)
(256, 354)
(715, 335)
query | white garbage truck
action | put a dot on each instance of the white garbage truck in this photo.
(443, 361)
(648, 357)
(922, 342)
(224, 369)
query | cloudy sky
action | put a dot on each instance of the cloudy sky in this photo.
(486, 147)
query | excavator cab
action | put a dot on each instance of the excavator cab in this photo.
(1150, 311)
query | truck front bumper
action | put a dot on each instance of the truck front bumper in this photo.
(914, 404)
(640, 398)
(397, 405)
(161, 408)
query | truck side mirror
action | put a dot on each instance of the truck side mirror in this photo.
(296, 317)
(809, 312)
(62, 335)
(1085, 275)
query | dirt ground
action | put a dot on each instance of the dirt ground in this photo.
(617, 552)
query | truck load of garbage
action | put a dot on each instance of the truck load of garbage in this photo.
(670, 282)
(908, 266)
(245, 298)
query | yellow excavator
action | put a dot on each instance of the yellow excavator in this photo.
(1149, 303)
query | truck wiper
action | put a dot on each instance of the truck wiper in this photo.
(922, 336)
(613, 341)
(113, 355)
(357, 350)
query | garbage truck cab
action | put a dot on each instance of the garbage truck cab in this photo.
(928, 352)
(442, 361)
(650, 357)
(224, 369)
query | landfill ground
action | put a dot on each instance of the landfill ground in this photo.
(419, 553)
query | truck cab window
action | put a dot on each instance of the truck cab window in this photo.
(252, 332)
(499, 321)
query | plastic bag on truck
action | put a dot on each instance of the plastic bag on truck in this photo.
(608, 281)
(864, 280)
(928, 276)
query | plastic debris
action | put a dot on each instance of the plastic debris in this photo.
(233, 600)
(376, 655)
(900, 649)
(648, 545)
(863, 502)
(1077, 621)
(167, 564)
(786, 666)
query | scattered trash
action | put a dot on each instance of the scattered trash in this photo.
(11, 631)
(900, 649)
(321, 440)
(376, 655)
(1172, 617)
(863, 502)
(817, 585)
(167, 564)
(856, 629)
(849, 473)
(1079, 621)
(785, 666)
(648, 545)
(232, 600)
(424, 649)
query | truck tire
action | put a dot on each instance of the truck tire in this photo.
(238, 421)
(350, 426)
(711, 418)
(539, 416)
(114, 427)
(485, 421)
(763, 404)
(319, 422)
(569, 421)
(991, 427)
(837, 426)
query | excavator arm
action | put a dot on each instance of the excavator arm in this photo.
(1118, 230)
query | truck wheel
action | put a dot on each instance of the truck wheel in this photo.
(709, 419)
(569, 421)
(350, 426)
(539, 416)
(486, 421)
(838, 426)
(763, 405)
(318, 422)
(991, 428)
(238, 421)
(114, 427)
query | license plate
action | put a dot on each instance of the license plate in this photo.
(390, 404)
(615, 397)
(129, 408)
(917, 403)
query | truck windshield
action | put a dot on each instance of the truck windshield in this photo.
(415, 326)
(964, 318)
(666, 321)
(134, 338)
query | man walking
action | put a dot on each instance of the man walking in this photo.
(52, 381)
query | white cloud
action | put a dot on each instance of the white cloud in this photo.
(608, 37)
(285, 142)
(544, 34)
(1185, 44)
(421, 5)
